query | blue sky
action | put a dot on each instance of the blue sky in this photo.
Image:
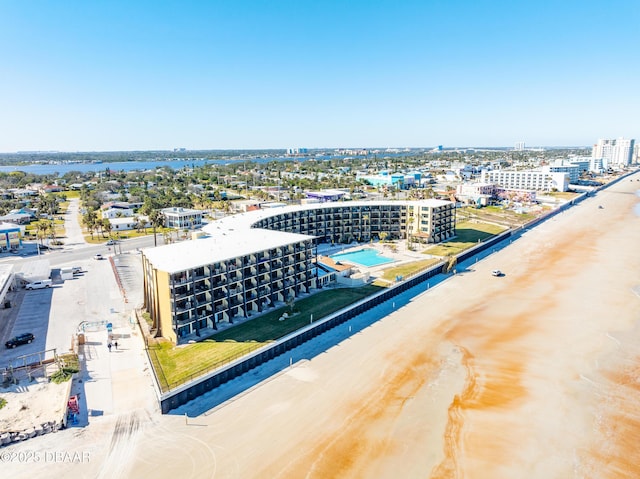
(127, 75)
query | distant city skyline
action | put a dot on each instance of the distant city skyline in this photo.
(126, 76)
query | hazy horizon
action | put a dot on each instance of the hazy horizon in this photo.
(310, 149)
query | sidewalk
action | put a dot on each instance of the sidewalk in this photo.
(113, 382)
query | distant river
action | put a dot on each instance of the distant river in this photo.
(62, 168)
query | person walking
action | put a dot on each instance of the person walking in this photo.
(115, 343)
(109, 346)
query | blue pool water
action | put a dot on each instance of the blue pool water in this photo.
(364, 257)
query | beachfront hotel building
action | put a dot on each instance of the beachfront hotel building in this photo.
(527, 180)
(614, 152)
(257, 260)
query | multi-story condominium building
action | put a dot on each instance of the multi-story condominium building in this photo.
(297, 151)
(583, 163)
(614, 152)
(479, 194)
(362, 221)
(559, 167)
(181, 218)
(597, 165)
(527, 180)
(196, 284)
(254, 260)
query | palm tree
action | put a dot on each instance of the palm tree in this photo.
(156, 218)
(141, 224)
(48, 229)
(41, 230)
(106, 226)
(89, 219)
(365, 221)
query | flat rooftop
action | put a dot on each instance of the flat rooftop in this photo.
(35, 270)
(221, 245)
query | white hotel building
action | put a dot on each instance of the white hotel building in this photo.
(527, 180)
(257, 260)
(614, 152)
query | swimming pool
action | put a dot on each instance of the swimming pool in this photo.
(364, 257)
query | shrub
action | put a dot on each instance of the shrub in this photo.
(63, 375)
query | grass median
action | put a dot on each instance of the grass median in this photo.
(176, 365)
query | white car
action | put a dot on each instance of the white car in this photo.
(496, 272)
(45, 283)
(98, 257)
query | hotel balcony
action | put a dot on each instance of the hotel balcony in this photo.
(182, 294)
(204, 297)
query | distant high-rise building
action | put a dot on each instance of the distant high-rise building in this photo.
(519, 146)
(297, 151)
(618, 152)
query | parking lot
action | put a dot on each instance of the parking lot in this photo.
(54, 314)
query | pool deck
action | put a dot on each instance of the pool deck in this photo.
(401, 255)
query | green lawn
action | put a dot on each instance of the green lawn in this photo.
(269, 327)
(408, 269)
(68, 194)
(176, 364)
(467, 235)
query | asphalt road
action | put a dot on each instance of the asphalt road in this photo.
(67, 256)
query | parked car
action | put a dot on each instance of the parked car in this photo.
(98, 257)
(45, 283)
(111, 242)
(496, 272)
(25, 338)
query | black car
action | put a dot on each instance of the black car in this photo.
(25, 338)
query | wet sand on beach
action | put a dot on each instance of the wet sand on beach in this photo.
(541, 367)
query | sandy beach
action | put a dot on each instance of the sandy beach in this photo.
(534, 374)
(531, 375)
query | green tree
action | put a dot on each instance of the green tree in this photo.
(106, 226)
(156, 218)
(89, 220)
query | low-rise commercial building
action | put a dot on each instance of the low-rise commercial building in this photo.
(10, 236)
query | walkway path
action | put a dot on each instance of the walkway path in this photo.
(73, 230)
